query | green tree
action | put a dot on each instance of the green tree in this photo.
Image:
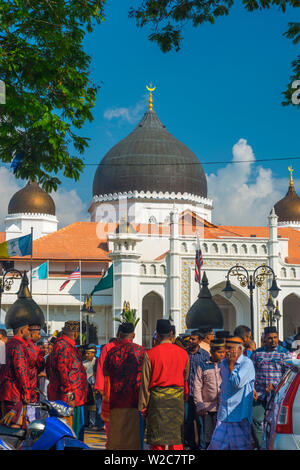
(168, 17)
(127, 315)
(49, 94)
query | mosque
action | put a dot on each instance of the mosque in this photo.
(149, 203)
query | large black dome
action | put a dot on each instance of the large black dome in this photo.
(150, 159)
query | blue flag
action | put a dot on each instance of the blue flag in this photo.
(41, 272)
(17, 160)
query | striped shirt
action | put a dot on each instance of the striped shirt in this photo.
(269, 367)
(196, 360)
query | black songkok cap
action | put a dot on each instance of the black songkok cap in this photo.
(126, 328)
(234, 340)
(18, 323)
(163, 327)
(270, 329)
(217, 343)
(222, 334)
(72, 326)
(205, 329)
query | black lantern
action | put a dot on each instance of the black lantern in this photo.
(24, 308)
(274, 289)
(228, 289)
(204, 311)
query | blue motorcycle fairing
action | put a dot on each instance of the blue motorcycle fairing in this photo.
(55, 429)
(4, 446)
(70, 443)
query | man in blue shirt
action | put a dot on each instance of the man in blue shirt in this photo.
(197, 355)
(233, 429)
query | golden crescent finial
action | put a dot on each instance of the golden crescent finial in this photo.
(150, 88)
(291, 175)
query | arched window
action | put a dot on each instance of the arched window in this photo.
(153, 270)
(205, 248)
(234, 249)
(162, 269)
(184, 247)
(283, 272)
(224, 249)
(143, 269)
(244, 250)
(214, 248)
(152, 220)
(263, 250)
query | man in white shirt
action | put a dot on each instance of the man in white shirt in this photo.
(3, 341)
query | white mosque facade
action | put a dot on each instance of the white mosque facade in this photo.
(149, 202)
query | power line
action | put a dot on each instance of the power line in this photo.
(220, 162)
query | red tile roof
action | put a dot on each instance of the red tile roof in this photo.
(88, 240)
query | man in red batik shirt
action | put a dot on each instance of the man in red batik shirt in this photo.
(67, 376)
(123, 365)
(16, 388)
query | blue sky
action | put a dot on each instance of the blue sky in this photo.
(224, 85)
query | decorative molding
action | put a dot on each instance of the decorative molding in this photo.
(34, 215)
(153, 195)
(227, 264)
(186, 264)
(291, 222)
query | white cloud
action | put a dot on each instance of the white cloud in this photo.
(243, 194)
(8, 187)
(69, 206)
(130, 114)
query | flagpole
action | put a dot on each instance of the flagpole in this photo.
(47, 296)
(31, 261)
(80, 312)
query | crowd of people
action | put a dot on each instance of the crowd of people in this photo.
(199, 391)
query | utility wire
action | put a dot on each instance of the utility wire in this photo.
(221, 162)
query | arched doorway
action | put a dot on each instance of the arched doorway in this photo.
(236, 311)
(291, 315)
(228, 311)
(152, 308)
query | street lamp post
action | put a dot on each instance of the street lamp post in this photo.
(272, 314)
(270, 306)
(87, 308)
(277, 316)
(7, 282)
(256, 279)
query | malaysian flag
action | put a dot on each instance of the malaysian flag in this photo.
(74, 275)
(198, 261)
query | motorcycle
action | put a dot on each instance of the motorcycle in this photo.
(4, 445)
(49, 433)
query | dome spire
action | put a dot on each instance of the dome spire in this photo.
(291, 175)
(150, 88)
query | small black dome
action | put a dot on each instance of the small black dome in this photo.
(288, 208)
(150, 159)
